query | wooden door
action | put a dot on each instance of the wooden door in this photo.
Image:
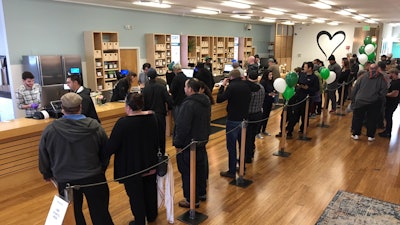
(129, 60)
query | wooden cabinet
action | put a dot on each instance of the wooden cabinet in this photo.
(158, 51)
(102, 59)
(245, 48)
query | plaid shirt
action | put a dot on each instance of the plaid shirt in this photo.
(26, 97)
(257, 100)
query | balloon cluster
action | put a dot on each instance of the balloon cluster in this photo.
(327, 75)
(286, 86)
(367, 51)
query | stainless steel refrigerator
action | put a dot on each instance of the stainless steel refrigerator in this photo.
(52, 69)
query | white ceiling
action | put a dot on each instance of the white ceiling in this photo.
(384, 11)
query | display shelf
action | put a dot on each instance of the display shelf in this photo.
(102, 57)
(158, 50)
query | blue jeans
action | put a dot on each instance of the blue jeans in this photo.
(233, 135)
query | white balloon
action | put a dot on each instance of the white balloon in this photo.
(369, 48)
(360, 67)
(280, 85)
(331, 78)
(363, 58)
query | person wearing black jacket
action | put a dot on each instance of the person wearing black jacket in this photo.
(74, 82)
(238, 95)
(193, 123)
(123, 87)
(177, 86)
(157, 98)
(204, 75)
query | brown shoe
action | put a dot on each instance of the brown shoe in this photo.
(186, 204)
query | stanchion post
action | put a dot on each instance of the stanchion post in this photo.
(304, 137)
(324, 111)
(191, 217)
(240, 181)
(282, 143)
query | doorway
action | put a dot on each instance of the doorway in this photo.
(129, 58)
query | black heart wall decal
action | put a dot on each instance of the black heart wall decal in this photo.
(330, 38)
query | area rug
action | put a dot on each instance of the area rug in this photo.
(349, 208)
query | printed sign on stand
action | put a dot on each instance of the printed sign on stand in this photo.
(57, 211)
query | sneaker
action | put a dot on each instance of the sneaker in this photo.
(227, 174)
(279, 135)
(289, 136)
(266, 133)
(259, 136)
(384, 134)
(203, 198)
(186, 204)
(371, 139)
(355, 136)
(313, 116)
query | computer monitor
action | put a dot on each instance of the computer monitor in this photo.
(188, 72)
(228, 68)
(75, 70)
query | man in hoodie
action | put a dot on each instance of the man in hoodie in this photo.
(74, 82)
(71, 152)
(332, 87)
(193, 123)
(368, 97)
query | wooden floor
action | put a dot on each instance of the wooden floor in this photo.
(293, 190)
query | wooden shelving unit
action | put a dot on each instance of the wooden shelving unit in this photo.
(158, 51)
(102, 59)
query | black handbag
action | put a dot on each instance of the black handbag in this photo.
(162, 167)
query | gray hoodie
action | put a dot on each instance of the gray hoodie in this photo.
(72, 149)
(369, 89)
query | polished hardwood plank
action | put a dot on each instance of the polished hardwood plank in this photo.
(293, 190)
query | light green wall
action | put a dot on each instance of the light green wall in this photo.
(40, 27)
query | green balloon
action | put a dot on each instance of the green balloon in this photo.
(288, 93)
(367, 40)
(371, 57)
(322, 67)
(374, 44)
(291, 79)
(324, 73)
(361, 50)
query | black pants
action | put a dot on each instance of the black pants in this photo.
(389, 110)
(372, 112)
(183, 161)
(297, 113)
(142, 193)
(267, 107)
(253, 128)
(97, 198)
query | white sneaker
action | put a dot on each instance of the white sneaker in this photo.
(356, 137)
(371, 139)
(259, 136)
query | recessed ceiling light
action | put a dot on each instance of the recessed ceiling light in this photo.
(268, 20)
(319, 20)
(288, 22)
(207, 11)
(234, 4)
(370, 21)
(343, 12)
(333, 23)
(299, 16)
(241, 17)
(153, 4)
(320, 5)
(273, 11)
(350, 10)
(358, 17)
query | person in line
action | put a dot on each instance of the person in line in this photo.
(135, 151)
(332, 87)
(29, 94)
(255, 114)
(74, 82)
(205, 75)
(274, 68)
(368, 96)
(157, 99)
(208, 64)
(251, 65)
(392, 101)
(267, 83)
(123, 87)
(143, 75)
(236, 65)
(238, 95)
(343, 80)
(177, 88)
(71, 152)
(169, 75)
(193, 123)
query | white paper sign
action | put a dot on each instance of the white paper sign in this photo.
(57, 211)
